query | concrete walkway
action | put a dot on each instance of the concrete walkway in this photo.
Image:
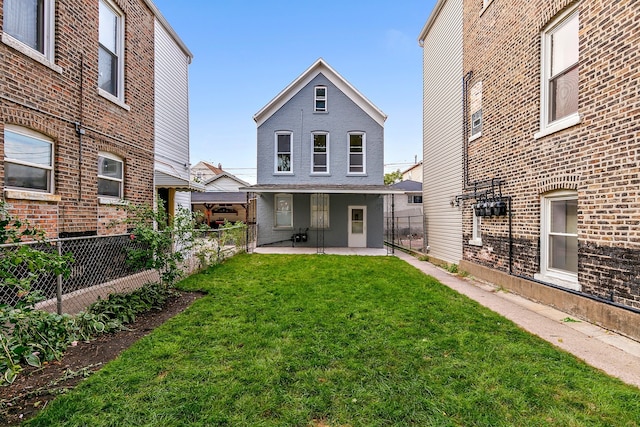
(612, 353)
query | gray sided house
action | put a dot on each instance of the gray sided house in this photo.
(320, 165)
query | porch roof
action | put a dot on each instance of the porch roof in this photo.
(219, 197)
(321, 189)
(165, 180)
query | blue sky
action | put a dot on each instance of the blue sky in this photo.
(245, 53)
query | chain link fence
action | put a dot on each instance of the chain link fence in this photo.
(406, 232)
(100, 266)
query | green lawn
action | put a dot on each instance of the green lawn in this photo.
(321, 340)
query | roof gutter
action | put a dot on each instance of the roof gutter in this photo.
(432, 18)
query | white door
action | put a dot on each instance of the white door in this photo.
(357, 226)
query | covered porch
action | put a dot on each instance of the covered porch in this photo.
(320, 217)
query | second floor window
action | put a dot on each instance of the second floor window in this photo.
(110, 173)
(559, 87)
(110, 60)
(357, 153)
(28, 160)
(31, 23)
(320, 99)
(320, 153)
(283, 152)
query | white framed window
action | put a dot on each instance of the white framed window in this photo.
(320, 99)
(284, 152)
(559, 239)
(476, 227)
(320, 157)
(111, 51)
(283, 206)
(320, 211)
(31, 23)
(559, 74)
(110, 175)
(414, 199)
(28, 160)
(357, 153)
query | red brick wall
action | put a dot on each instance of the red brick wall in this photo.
(598, 157)
(50, 102)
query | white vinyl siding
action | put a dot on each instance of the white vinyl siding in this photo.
(442, 132)
(171, 129)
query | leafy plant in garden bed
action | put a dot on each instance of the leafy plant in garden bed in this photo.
(27, 335)
(30, 336)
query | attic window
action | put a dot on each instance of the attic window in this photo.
(320, 99)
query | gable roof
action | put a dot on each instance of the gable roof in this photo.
(319, 67)
(226, 175)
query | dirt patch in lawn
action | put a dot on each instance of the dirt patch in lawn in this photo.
(36, 387)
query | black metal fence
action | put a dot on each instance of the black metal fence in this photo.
(406, 232)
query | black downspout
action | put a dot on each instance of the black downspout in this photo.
(510, 237)
(393, 223)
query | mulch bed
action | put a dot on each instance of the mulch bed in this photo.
(36, 387)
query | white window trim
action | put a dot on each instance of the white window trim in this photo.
(547, 127)
(476, 230)
(120, 47)
(275, 151)
(316, 98)
(47, 57)
(103, 197)
(364, 153)
(325, 204)
(40, 137)
(275, 211)
(558, 277)
(327, 172)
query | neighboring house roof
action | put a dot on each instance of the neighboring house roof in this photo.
(408, 186)
(321, 189)
(216, 170)
(219, 197)
(319, 67)
(225, 175)
(419, 164)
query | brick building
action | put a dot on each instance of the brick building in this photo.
(77, 111)
(550, 125)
